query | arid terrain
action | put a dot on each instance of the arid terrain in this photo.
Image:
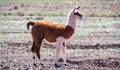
(94, 46)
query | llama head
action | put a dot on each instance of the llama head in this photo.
(75, 14)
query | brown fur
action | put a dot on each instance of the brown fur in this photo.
(50, 31)
(44, 30)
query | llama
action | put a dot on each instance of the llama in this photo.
(53, 33)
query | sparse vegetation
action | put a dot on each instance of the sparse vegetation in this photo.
(20, 14)
(39, 14)
(93, 8)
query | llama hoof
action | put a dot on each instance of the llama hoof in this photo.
(58, 65)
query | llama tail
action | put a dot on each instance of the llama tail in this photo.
(30, 23)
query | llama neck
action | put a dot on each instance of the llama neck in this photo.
(71, 22)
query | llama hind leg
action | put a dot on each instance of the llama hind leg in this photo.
(33, 51)
(37, 50)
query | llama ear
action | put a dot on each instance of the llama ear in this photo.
(78, 7)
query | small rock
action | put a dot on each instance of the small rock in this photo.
(15, 60)
(117, 63)
(100, 63)
(6, 67)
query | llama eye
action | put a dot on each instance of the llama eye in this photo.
(76, 13)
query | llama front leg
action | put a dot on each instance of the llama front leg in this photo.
(64, 54)
(57, 56)
(58, 48)
(60, 41)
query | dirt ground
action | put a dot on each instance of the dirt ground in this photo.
(18, 56)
